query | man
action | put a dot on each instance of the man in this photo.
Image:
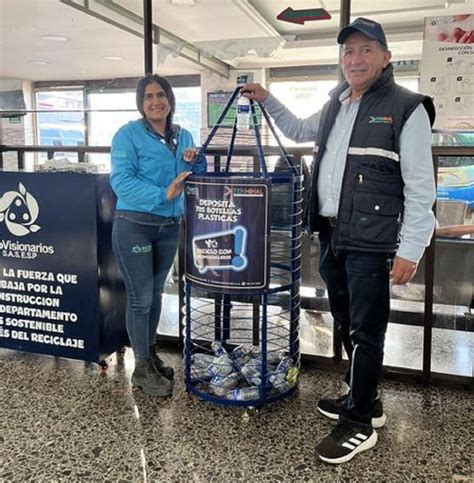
(371, 197)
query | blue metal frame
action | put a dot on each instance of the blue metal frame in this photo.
(223, 306)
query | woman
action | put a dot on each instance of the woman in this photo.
(150, 159)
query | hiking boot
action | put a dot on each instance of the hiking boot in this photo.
(149, 380)
(331, 407)
(160, 364)
(345, 441)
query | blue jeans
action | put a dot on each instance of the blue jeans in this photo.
(358, 286)
(144, 254)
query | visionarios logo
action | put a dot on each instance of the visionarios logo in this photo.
(19, 210)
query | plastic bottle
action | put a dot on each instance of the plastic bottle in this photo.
(284, 365)
(252, 371)
(280, 372)
(240, 356)
(285, 375)
(222, 366)
(241, 350)
(244, 394)
(200, 364)
(218, 348)
(200, 359)
(243, 113)
(273, 356)
(221, 385)
(200, 373)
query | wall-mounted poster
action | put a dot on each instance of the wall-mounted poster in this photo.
(227, 233)
(447, 70)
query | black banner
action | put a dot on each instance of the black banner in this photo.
(227, 233)
(48, 264)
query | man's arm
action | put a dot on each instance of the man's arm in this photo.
(298, 130)
(416, 165)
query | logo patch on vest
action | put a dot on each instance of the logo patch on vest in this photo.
(380, 119)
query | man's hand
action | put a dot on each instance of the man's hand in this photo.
(403, 271)
(255, 92)
(177, 185)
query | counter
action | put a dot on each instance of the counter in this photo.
(60, 290)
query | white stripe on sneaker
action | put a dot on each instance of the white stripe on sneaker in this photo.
(361, 436)
(355, 441)
(348, 445)
(367, 444)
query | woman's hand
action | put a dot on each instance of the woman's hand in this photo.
(176, 187)
(189, 154)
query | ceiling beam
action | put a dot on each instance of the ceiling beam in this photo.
(170, 44)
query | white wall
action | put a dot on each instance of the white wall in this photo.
(211, 82)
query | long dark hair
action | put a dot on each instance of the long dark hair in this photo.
(166, 86)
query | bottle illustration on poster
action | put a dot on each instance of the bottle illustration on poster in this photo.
(223, 250)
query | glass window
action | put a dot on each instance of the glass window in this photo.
(64, 124)
(454, 263)
(188, 110)
(304, 98)
(412, 83)
(111, 110)
(108, 112)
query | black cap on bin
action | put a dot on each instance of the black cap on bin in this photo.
(365, 26)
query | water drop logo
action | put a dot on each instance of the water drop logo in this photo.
(19, 210)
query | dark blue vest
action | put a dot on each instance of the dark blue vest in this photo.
(371, 204)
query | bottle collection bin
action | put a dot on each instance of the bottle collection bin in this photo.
(242, 302)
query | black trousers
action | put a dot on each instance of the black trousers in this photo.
(358, 285)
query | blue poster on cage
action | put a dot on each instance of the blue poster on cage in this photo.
(227, 233)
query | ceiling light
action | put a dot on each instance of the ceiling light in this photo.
(38, 62)
(55, 38)
(112, 57)
(183, 3)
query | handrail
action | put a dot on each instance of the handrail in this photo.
(221, 150)
(248, 150)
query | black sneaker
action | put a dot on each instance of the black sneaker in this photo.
(331, 407)
(344, 442)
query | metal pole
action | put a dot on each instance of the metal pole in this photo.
(181, 287)
(344, 19)
(430, 257)
(148, 36)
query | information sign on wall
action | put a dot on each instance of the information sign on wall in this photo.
(227, 233)
(447, 70)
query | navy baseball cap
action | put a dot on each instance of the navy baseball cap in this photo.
(365, 26)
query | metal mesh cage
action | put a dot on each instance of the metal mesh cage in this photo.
(243, 348)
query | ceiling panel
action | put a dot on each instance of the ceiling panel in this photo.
(24, 22)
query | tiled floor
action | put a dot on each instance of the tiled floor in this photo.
(64, 420)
